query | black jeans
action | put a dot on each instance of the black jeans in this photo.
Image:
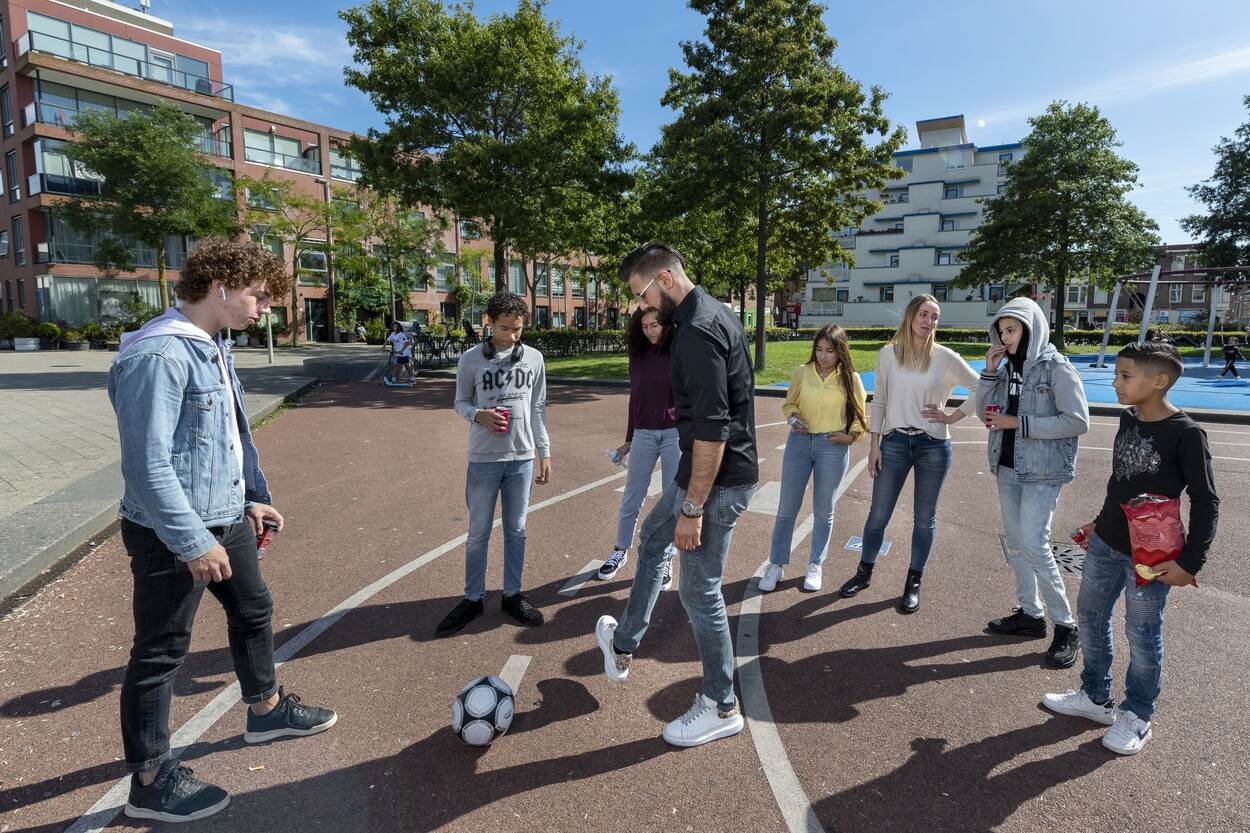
(165, 601)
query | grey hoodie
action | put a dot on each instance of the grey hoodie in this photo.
(1053, 411)
(483, 383)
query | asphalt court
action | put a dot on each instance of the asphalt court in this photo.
(887, 722)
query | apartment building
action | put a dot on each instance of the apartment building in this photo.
(1087, 306)
(60, 57)
(912, 245)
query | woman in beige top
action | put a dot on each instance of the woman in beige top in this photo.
(914, 378)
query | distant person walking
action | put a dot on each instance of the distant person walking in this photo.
(1231, 355)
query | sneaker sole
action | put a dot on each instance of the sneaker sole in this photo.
(1107, 720)
(609, 663)
(853, 593)
(723, 732)
(1119, 751)
(131, 811)
(1054, 663)
(1023, 634)
(288, 732)
(807, 588)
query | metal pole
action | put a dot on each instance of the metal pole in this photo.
(332, 325)
(1206, 353)
(269, 334)
(1106, 330)
(1150, 302)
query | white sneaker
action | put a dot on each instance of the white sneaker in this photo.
(703, 723)
(812, 583)
(666, 580)
(615, 665)
(1078, 704)
(772, 575)
(1128, 735)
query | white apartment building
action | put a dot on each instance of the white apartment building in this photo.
(912, 244)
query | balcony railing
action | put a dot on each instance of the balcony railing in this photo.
(60, 184)
(125, 64)
(144, 258)
(282, 160)
(822, 308)
(63, 116)
(214, 147)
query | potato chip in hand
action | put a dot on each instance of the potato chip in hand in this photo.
(1145, 572)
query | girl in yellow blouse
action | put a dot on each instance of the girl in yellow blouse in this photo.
(825, 408)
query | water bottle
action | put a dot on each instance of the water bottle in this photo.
(617, 458)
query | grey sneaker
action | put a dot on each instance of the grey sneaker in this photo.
(289, 719)
(176, 795)
(615, 665)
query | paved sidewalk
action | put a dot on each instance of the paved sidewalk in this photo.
(60, 478)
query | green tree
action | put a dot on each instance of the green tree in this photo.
(1224, 231)
(1064, 214)
(773, 126)
(153, 185)
(480, 116)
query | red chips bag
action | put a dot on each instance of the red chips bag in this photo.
(1155, 530)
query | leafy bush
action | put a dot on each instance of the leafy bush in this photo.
(375, 330)
(71, 336)
(93, 332)
(136, 312)
(16, 324)
(48, 331)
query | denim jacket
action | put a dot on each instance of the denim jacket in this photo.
(1053, 411)
(178, 461)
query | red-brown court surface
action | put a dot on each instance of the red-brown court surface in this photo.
(890, 722)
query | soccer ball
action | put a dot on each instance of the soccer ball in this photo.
(482, 711)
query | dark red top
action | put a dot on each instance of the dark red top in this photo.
(650, 393)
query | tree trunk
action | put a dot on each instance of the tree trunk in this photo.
(742, 302)
(501, 267)
(162, 281)
(534, 293)
(761, 252)
(294, 321)
(1061, 292)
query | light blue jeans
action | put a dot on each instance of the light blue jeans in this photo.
(931, 459)
(814, 457)
(510, 481)
(1027, 511)
(646, 447)
(1108, 573)
(699, 582)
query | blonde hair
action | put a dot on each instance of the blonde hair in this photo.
(905, 352)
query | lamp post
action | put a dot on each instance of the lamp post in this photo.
(332, 325)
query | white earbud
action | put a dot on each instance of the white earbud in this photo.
(222, 290)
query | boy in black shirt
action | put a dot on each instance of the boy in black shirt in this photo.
(1158, 450)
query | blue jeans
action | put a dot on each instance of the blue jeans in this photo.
(899, 454)
(1027, 510)
(1108, 573)
(646, 447)
(808, 456)
(510, 481)
(699, 582)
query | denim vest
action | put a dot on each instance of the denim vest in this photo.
(1036, 460)
(181, 472)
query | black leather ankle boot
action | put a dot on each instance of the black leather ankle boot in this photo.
(858, 582)
(910, 602)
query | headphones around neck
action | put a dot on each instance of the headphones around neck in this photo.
(489, 350)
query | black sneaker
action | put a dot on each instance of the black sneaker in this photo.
(1019, 623)
(518, 607)
(614, 563)
(1064, 648)
(176, 795)
(289, 719)
(461, 615)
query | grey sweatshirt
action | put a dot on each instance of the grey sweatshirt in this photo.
(483, 383)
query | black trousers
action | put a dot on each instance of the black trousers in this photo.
(165, 601)
(1230, 364)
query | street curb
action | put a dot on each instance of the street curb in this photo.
(48, 562)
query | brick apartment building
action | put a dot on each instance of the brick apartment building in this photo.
(1086, 306)
(64, 56)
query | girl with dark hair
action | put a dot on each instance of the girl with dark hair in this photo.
(651, 433)
(825, 407)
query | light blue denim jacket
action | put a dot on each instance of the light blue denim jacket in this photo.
(1053, 411)
(179, 465)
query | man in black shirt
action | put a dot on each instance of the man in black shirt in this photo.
(713, 391)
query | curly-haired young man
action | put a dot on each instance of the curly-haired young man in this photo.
(194, 502)
(501, 389)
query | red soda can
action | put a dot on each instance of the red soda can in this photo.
(1081, 539)
(270, 528)
(506, 413)
(993, 409)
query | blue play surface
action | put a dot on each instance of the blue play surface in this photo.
(1200, 388)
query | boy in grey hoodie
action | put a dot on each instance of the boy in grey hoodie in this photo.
(501, 389)
(1034, 406)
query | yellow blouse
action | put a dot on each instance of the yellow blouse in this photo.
(822, 402)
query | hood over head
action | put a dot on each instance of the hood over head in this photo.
(1027, 311)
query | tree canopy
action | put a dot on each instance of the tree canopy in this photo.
(1223, 232)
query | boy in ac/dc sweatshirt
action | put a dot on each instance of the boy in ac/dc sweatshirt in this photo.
(506, 453)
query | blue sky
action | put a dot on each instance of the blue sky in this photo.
(1170, 76)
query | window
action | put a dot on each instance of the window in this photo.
(1177, 262)
(950, 225)
(897, 226)
(903, 162)
(894, 260)
(542, 317)
(579, 284)
(557, 284)
(943, 259)
(516, 278)
(470, 230)
(1176, 293)
(343, 166)
(1198, 294)
(271, 242)
(10, 172)
(261, 198)
(4, 243)
(939, 291)
(19, 244)
(4, 62)
(1002, 186)
(885, 294)
(558, 320)
(541, 285)
(841, 295)
(6, 111)
(445, 274)
(1004, 157)
(1100, 296)
(952, 192)
(579, 318)
(21, 293)
(312, 264)
(1077, 294)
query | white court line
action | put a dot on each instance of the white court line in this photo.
(578, 581)
(781, 447)
(772, 424)
(788, 791)
(514, 671)
(106, 809)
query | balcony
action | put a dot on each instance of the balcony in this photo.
(124, 64)
(822, 308)
(274, 159)
(61, 184)
(210, 146)
(60, 115)
(144, 258)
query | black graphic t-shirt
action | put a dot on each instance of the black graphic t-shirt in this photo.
(1166, 458)
(1015, 381)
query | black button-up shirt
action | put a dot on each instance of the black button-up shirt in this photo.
(713, 389)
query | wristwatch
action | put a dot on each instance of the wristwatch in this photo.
(690, 509)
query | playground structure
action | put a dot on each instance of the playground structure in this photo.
(1216, 278)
